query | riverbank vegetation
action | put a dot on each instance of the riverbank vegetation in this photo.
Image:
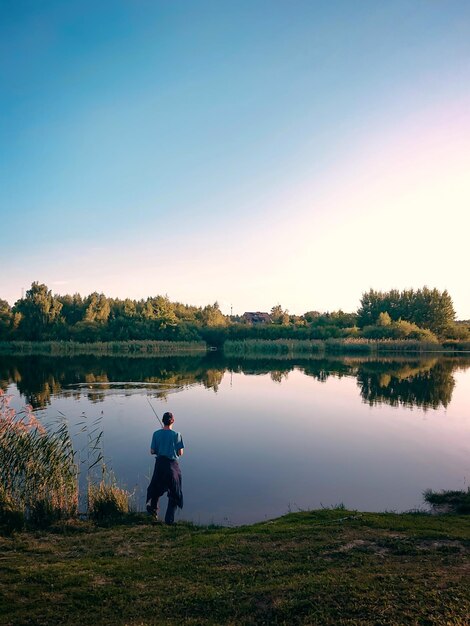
(423, 315)
(38, 473)
(40, 470)
(320, 567)
(258, 348)
(449, 501)
(99, 348)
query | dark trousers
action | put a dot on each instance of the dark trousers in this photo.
(170, 509)
(166, 479)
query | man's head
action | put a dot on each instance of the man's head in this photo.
(168, 418)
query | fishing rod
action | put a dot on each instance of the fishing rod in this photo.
(151, 406)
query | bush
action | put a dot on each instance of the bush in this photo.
(449, 501)
(399, 330)
(459, 332)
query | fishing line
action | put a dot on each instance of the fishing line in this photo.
(151, 406)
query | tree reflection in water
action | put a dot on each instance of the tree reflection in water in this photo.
(425, 383)
(428, 384)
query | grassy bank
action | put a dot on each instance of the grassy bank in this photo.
(110, 348)
(321, 567)
(254, 348)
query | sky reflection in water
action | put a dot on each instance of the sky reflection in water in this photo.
(368, 434)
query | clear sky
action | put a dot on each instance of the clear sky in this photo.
(253, 152)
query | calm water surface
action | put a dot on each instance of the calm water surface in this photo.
(266, 437)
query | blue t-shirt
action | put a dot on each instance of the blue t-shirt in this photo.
(167, 443)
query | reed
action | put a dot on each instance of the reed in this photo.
(373, 346)
(107, 501)
(276, 347)
(457, 345)
(38, 474)
(350, 346)
(407, 345)
(104, 348)
(257, 348)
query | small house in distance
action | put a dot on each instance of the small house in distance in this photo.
(257, 318)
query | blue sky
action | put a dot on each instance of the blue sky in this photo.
(250, 152)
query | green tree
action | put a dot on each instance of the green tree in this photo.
(6, 319)
(427, 308)
(97, 309)
(129, 308)
(384, 319)
(434, 310)
(279, 315)
(185, 312)
(371, 306)
(39, 310)
(159, 309)
(73, 308)
(211, 315)
(312, 316)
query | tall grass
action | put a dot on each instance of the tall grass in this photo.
(276, 347)
(106, 348)
(257, 348)
(373, 346)
(38, 474)
(457, 344)
(106, 500)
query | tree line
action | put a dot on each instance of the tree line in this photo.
(422, 314)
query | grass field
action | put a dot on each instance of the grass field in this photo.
(321, 567)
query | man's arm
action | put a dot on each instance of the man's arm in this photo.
(179, 445)
(153, 444)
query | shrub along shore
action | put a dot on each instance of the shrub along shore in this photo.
(319, 567)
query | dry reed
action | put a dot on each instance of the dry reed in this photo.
(38, 474)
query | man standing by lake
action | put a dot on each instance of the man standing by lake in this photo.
(167, 445)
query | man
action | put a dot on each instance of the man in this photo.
(168, 446)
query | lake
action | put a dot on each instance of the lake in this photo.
(264, 437)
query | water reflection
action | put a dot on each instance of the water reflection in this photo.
(425, 383)
(39, 378)
(428, 384)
